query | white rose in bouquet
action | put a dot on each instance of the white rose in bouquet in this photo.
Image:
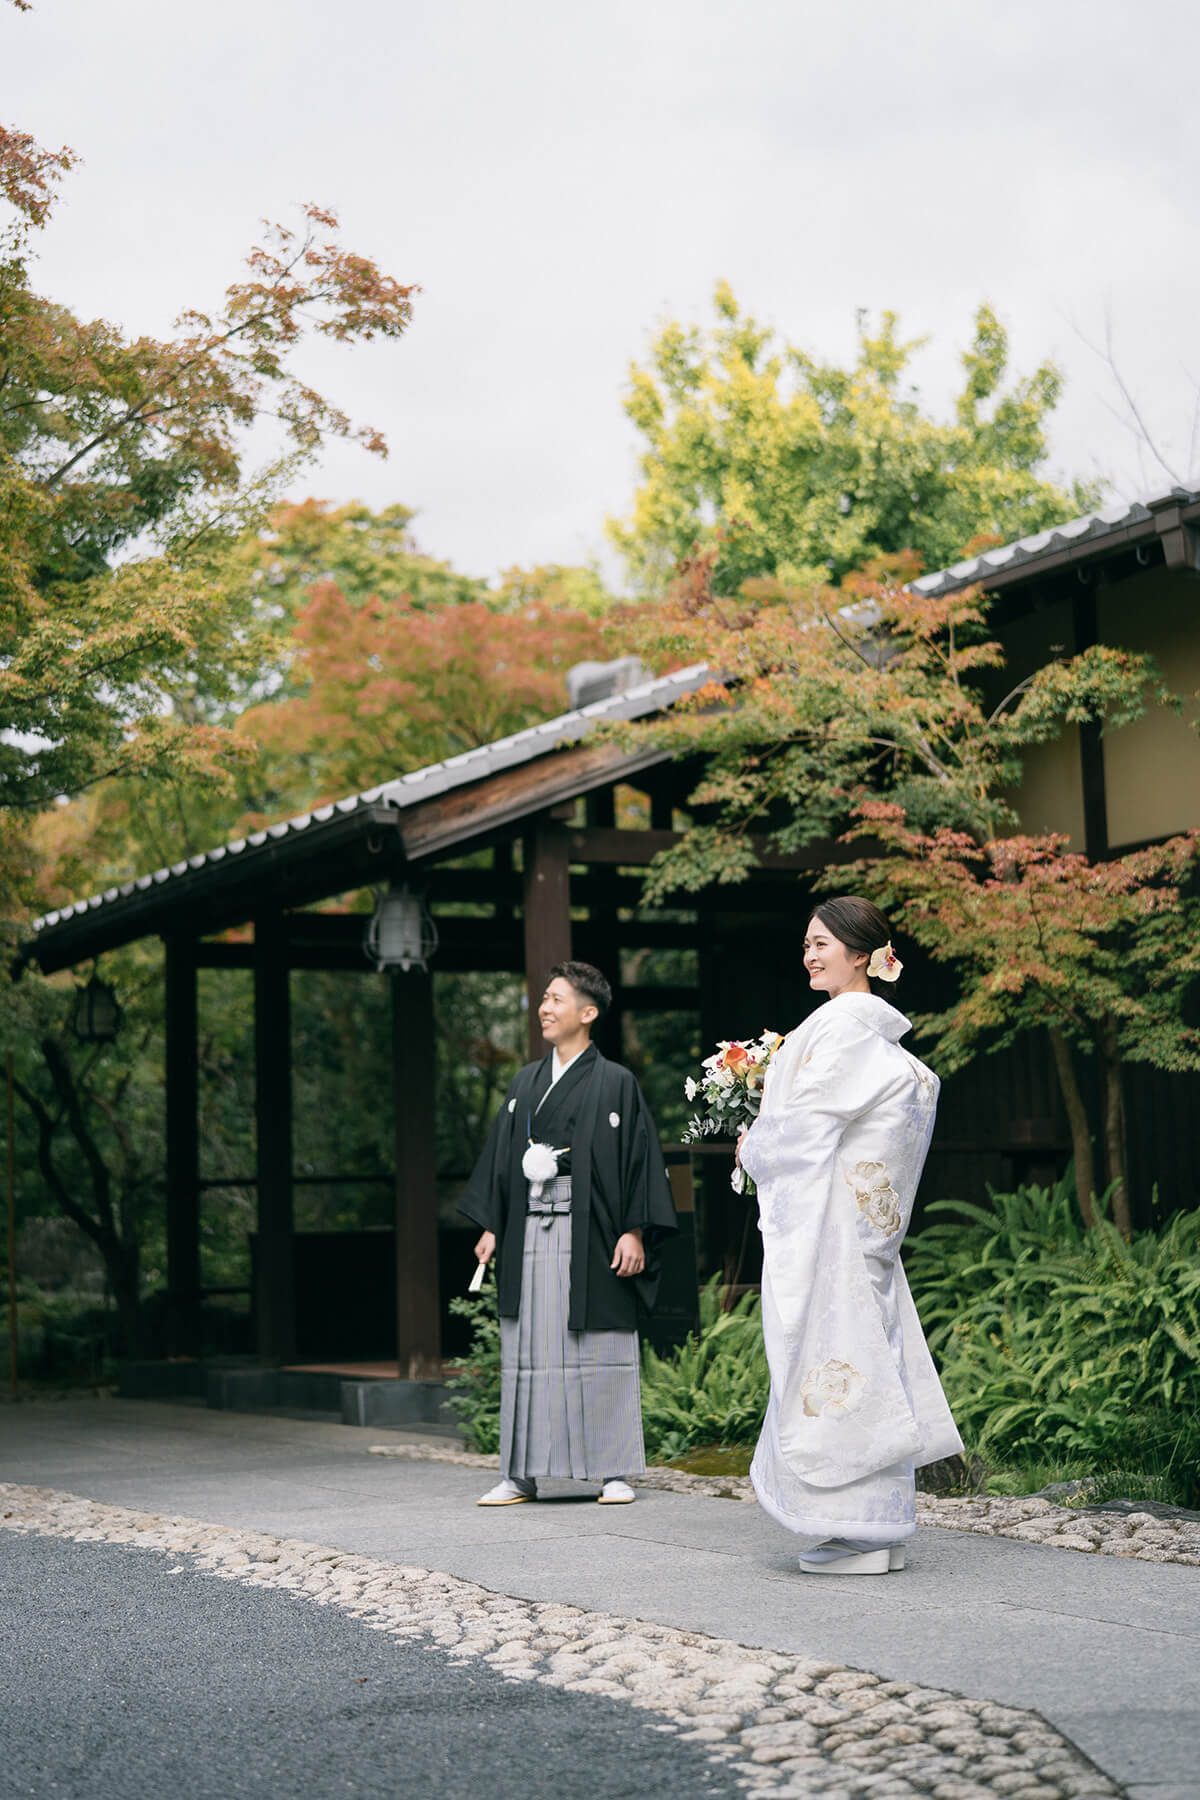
(730, 1092)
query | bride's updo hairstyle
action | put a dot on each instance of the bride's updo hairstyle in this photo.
(857, 923)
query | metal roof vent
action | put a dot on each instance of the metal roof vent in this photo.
(588, 682)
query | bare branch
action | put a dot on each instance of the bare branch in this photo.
(1108, 358)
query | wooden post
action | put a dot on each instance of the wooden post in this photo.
(602, 946)
(276, 1279)
(547, 914)
(184, 1331)
(502, 868)
(418, 1322)
(1091, 741)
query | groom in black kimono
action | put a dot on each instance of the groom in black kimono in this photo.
(572, 1198)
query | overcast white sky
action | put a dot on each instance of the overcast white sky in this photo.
(560, 178)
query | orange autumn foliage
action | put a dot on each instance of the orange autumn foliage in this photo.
(387, 686)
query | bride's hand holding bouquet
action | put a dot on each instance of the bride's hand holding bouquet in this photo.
(730, 1089)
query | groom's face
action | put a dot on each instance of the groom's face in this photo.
(564, 1013)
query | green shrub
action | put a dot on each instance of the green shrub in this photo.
(64, 1339)
(713, 1388)
(475, 1381)
(1060, 1345)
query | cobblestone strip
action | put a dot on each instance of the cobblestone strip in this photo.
(1038, 1521)
(1029, 1518)
(789, 1726)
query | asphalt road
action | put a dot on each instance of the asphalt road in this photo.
(134, 1677)
(1107, 1650)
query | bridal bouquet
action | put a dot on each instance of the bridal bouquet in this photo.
(730, 1090)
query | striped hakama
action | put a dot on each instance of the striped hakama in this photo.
(570, 1400)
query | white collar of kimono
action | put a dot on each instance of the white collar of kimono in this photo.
(559, 1069)
(882, 1017)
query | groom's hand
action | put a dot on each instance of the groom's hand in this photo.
(485, 1249)
(629, 1257)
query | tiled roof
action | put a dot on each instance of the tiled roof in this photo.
(422, 784)
(1108, 528)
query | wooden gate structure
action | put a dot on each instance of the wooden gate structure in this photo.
(551, 873)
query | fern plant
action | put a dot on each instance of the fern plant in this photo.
(475, 1381)
(713, 1388)
(1059, 1341)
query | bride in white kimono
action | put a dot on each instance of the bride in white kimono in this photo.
(836, 1153)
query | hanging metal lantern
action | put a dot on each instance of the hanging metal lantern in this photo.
(402, 934)
(97, 1016)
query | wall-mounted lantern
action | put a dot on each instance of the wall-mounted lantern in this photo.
(97, 1016)
(401, 934)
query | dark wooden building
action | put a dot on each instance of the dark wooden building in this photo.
(526, 830)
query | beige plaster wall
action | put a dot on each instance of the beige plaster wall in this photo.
(1050, 797)
(1152, 768)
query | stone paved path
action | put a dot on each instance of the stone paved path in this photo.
(786, 1725)
(688, 1607)
(1094, 1530)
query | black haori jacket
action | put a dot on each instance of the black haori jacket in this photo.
(618, 1182)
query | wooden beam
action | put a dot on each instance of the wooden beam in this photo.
(601, 807)
(661, 810)
(475, 944)
(547, 914)
(275, 1287)
(504, 879)
(418, 1329)
(603, 947)
(635, 849)
(510, 799)
(183, 1149)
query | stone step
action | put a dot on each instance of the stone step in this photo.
(384, 1402)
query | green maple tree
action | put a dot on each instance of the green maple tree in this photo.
(825, 468)
(870, 711)
(1100, 955)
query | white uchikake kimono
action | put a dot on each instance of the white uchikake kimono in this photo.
(836, 1152)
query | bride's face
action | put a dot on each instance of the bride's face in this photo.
(831, 967)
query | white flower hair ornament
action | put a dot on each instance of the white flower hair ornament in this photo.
(884, 965)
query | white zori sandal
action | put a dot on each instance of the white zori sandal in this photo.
(616, 1493)
(509, 1493)
(838, 1558)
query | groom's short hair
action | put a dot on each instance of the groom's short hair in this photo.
(588, 983)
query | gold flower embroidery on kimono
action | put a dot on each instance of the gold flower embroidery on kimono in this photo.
(877, 1199)
(833, 1390)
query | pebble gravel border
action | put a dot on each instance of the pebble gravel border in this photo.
(1030, 1518)
(785, 1725)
